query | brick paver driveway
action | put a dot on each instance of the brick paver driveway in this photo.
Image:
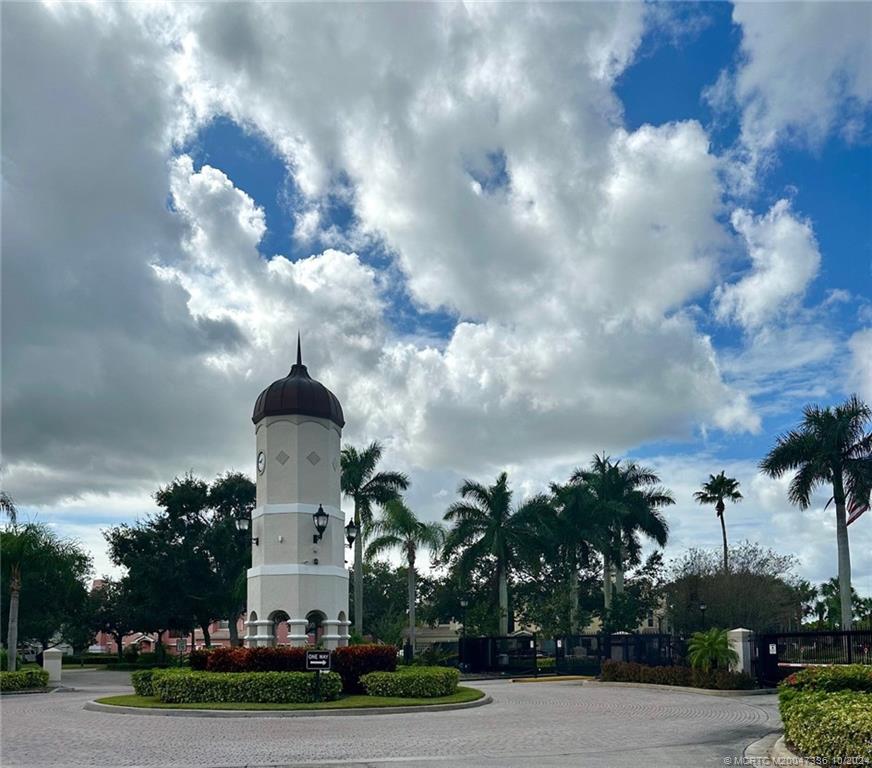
(529, 725)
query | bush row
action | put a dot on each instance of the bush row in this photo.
(630, 672)
(828, 726)
(24, 678)
(412, 682)
(847, 677)
(187, 687)
(350, 662)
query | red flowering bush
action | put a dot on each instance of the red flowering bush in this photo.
(353, 661)
(256, 660)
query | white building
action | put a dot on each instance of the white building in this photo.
(297, 575)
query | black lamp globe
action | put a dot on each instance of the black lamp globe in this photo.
(350, 532)
(320, 519)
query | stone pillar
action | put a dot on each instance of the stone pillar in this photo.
(261, 636)
(344, 633)
(331, 636)
(297, 632)
(51, 663)
(741, 641)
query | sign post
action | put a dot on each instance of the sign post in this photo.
(315, 662)
(181, 647)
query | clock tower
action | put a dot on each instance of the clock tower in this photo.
(297, 572)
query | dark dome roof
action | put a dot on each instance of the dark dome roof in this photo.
(298, 393)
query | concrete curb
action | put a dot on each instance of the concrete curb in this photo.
(773, 750)
(113, 709)
(683, 689)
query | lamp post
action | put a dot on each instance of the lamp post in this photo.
(462, 655)
(320, 518)
(350, 532)
(702, 607)
(244, 524)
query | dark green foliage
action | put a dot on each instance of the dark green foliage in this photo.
(199, 658)
(141, 681)
(760, 591)
(412, 682)
(629, 672)
(188, 687)
(54, 575)
(847, 677)
(23, 679)
(354, 661)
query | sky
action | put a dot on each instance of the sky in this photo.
(511, 236)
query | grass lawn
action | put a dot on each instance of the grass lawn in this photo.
(346, 702)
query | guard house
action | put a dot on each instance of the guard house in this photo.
(297, 572)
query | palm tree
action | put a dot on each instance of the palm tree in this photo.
(398, 528)
(486, 524)
(627, 498)
(711, 649)
(830, 446)
(7, 507)
(366, 487)
(573, 533)
(715, 491)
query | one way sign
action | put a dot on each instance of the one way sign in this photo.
(317, 660)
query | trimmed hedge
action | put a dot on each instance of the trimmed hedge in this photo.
(279, 659)
(183, 687)
(199, 658)
(630, 672)
(848, 677)
(828, 726)
(412, 682)
(24, 678)
(141, 681)
(354, 661)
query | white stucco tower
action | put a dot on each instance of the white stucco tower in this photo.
(295, 576)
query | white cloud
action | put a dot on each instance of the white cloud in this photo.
(805, 73)
(860, 369)
(784, 260)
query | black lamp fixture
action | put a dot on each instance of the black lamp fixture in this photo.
(243, 524)
(320, 518)
(702, 607)
(350, 533)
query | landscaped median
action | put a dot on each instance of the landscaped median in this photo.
(827, 714)
(246, 691)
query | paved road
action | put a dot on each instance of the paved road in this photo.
(528, 725)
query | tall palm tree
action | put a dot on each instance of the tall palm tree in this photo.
(367, 488)
(486, 524)
(574, 532)
(398, 528)
(716, 490)
(8, 508)
(830, 446)
(628, 499)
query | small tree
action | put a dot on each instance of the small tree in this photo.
(711, 650)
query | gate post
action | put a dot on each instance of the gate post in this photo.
(740, 641)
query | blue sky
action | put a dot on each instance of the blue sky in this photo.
(510, 235)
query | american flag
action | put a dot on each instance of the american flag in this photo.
(855, 509)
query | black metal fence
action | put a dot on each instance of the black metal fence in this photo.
(780, 654)
(574, 655)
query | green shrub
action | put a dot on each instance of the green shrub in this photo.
(630, 672)
(141, 680)
(412, 682)
(280, 659)
(33, 677)
(547, 662)
(186, 687)
(131, 654)
(711, 650)
(354, 661)
(847, 677)
(199, 658)
(827, 726)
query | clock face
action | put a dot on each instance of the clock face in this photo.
(261, 462)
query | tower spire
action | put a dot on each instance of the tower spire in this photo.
(299, 352)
